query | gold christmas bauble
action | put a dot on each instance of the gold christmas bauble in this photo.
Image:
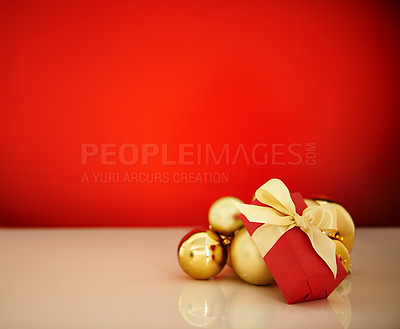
(343, 254)
(247, 261)
(201, 254)
(224, 217)
(345, 225)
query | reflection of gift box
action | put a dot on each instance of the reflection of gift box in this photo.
(299, 271)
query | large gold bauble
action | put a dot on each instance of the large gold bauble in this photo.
(224, 217)
(345, 224)
(247, 261)
(201, 254)
(343, 254)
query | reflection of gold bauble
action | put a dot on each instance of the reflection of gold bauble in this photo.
(202, 304)
(247, 261)
(254, 308)
(343, 254)
(201, 254)
(345, 224)
(340, 303)
(224, 217)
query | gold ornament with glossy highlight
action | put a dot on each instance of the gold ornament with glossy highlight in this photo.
(247, 261)
(224, 217)
(201, 254)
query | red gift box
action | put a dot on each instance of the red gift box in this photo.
(299, 271)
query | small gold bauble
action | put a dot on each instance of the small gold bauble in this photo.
(224, 217)
(345, 224)
(247, 261)
(343, 254)
(201, 254)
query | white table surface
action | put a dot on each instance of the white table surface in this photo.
(130, 278)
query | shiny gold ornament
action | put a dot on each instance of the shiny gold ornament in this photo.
(343, 254)
(345, 224)
(224, 217)
(201, 254)
(247, 261)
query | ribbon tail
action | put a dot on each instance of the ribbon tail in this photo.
(324, 247)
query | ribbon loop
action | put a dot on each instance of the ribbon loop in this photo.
(280, 216)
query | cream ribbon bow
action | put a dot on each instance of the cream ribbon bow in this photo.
(281, 217)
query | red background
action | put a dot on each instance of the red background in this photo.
(212, 72)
